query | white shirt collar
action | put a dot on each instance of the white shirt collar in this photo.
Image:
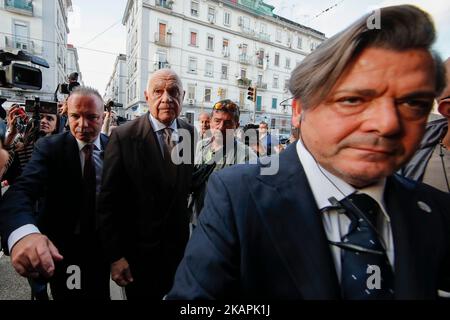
(97, 143)
(158, 126)
(325, 185)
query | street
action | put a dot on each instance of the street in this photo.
(15, 287)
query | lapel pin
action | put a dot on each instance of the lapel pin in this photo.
(424, 207)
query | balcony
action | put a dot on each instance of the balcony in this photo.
(243, 59)
(244, 82)
(248, 31)
(20, 6)
(16, 43)
(163, 39)
(166, 4)
(260, 63)
(261, 85)
(161, 65)
(264, 36)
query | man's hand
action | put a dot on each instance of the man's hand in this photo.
(34, 255)
(121, 273)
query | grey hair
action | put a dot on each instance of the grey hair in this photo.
(87, 91)
(403, 27)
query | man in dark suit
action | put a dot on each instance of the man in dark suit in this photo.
(64, 173)
(143, 215)
(335, 222)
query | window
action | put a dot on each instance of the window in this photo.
(278, 35)
(207, 94)
(194, 8)
(210, 43)
(274, 103)
(193, 39)
(192, 65)
(20, 36)
(191, 91)
(243, 73)
(277, 59)
(209, 69)
(260, 79)
(286, 84)
(222, 93)
(211, 14)
(299, 42)
(275, 82)
(227, 18)
(288, 63)
(242, 97)
(225, 48)
(224, 72)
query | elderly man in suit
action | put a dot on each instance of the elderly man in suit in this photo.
(143, 217)
(64, 174)
(335, 222)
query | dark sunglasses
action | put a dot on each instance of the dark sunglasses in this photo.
(228, 106)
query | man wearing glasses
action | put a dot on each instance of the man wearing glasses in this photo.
(335, 222)
(431, 163)
(220, 150)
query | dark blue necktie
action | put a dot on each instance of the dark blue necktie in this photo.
(366, 272)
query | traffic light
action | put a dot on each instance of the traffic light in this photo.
(251, 95)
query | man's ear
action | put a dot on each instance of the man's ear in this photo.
(146, 95)
(444, 108)
(297, 110)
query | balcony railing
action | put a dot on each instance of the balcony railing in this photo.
(243, 59)
(261, 85)
(248, 31)
(161, 65)
(260, 63)
(167, 4)
(244, 82)
(20, 6)
(17, 43)
(264, 36)
(163, 39)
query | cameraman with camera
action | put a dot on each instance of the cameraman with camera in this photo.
(21, 137)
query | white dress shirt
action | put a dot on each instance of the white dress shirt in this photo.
(28, 229)
(159, 127)
(325, 185)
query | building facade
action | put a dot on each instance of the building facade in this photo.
(72, 62)
(39, 27)
(219, 49)
(116, 89)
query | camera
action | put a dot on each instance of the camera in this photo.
(44, 107)
(17, 75)
(66, 88)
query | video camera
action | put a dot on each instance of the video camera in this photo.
(22, 76)
(66, 88)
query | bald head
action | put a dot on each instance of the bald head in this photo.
(164, 96)
(204, 119)
(164, 74)
(446, 92)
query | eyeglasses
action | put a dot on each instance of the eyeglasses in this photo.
(227, 106)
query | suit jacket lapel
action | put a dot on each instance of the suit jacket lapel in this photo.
(149, 159)
(413, 242)
(286, 204)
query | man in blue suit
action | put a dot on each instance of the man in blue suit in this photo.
(335, 222)
(60, 242)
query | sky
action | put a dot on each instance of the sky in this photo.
(96, 27)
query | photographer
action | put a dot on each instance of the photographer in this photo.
(22, 137)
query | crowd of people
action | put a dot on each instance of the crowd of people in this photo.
(362, 189)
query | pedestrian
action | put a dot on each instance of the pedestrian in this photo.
(335, 222)
(64, 171)
(143, 217)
